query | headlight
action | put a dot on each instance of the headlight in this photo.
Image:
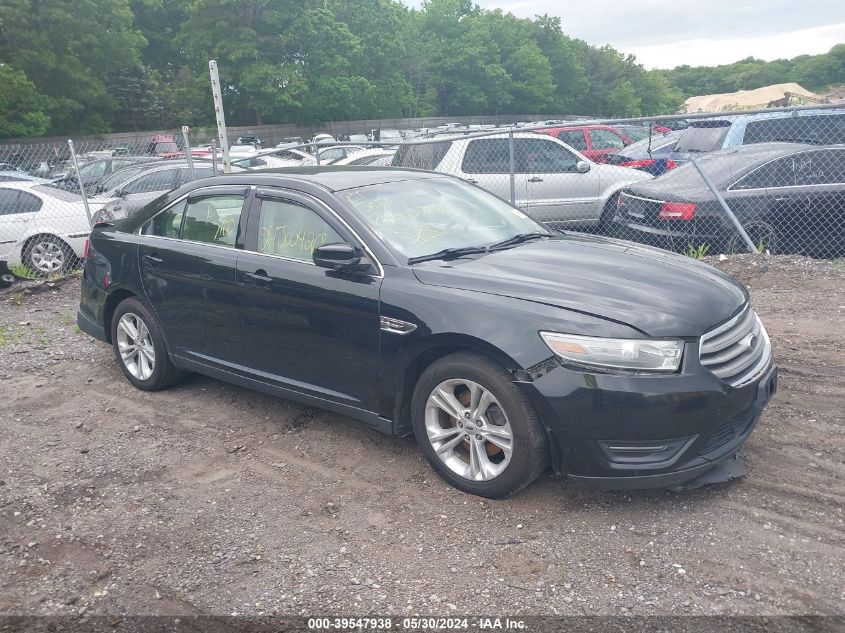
(616, 353)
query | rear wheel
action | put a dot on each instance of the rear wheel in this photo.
(476, 428)
(140, 349)
(48, 255)
(761, 233)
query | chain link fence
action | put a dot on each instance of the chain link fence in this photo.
(705, 184)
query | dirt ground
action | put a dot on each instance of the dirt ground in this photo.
(211, 499)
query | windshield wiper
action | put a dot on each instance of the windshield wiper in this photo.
(516, 239)
(448, 253)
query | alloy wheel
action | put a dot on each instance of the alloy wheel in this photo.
(47, 257)
(468, 429)
(135, 346)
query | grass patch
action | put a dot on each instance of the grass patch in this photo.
(697, 252)
(22, 272)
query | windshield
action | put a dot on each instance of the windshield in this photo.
(420, 217)
(120, 177)
(704, 137)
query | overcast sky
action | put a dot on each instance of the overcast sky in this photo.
(668, 33)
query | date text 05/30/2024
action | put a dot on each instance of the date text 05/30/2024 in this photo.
(416, 623)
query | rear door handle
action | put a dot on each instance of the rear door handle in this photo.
(472, 181)
(535, 179)
(259, 277)
(153, 260)
(781, 198)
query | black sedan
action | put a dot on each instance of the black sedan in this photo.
(789, 198)
(417, 303)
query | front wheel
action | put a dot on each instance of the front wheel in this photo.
(476, 428)
(140, 349)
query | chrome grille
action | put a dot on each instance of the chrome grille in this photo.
(738, 350)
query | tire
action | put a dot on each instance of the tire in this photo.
(48, 255)
(6, 280)
(149, 368)
(463, 441)
(761, 232)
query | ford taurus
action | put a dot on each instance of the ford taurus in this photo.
(420, 304)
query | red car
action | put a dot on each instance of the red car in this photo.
(593, 141)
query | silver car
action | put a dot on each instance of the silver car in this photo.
(552, 182)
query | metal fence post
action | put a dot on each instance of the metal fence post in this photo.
(214, 149)
(79, 181)
(188, 151)
(221, 117)
(317, 153)
(512, 167)
(752, 248)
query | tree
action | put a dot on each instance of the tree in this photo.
(67, 48)
(23, 110)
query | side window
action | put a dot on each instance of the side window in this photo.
(292, 230)
(155, 181)
(167, 223)
(574, 138)
(213, 220)
(489, 156)
(541, 156)
(821, 167)
(27, 203)
(9, 202)
(605, 139)
(778, 173)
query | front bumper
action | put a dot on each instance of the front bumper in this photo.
(695, 417)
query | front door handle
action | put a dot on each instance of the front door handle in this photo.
(259, 277)
(535, 179)
(472, 181)
(782, 199)
(153, 260)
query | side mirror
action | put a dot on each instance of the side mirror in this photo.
(582, 167)
(340, 256)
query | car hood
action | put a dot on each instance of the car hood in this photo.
(654, 291)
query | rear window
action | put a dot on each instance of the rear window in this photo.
(421, 155)
(704, 137)
(825, 129)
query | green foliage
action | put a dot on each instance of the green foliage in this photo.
(697, 252)
(814, 72)
(67, 48)
(23, 110)
(92, 66)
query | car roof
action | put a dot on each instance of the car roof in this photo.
(331, 177)
(723, 166)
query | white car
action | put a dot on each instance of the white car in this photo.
(552, 182)
(42, 227)
(377, 157)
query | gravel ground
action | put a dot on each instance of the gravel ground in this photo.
(211, 499)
